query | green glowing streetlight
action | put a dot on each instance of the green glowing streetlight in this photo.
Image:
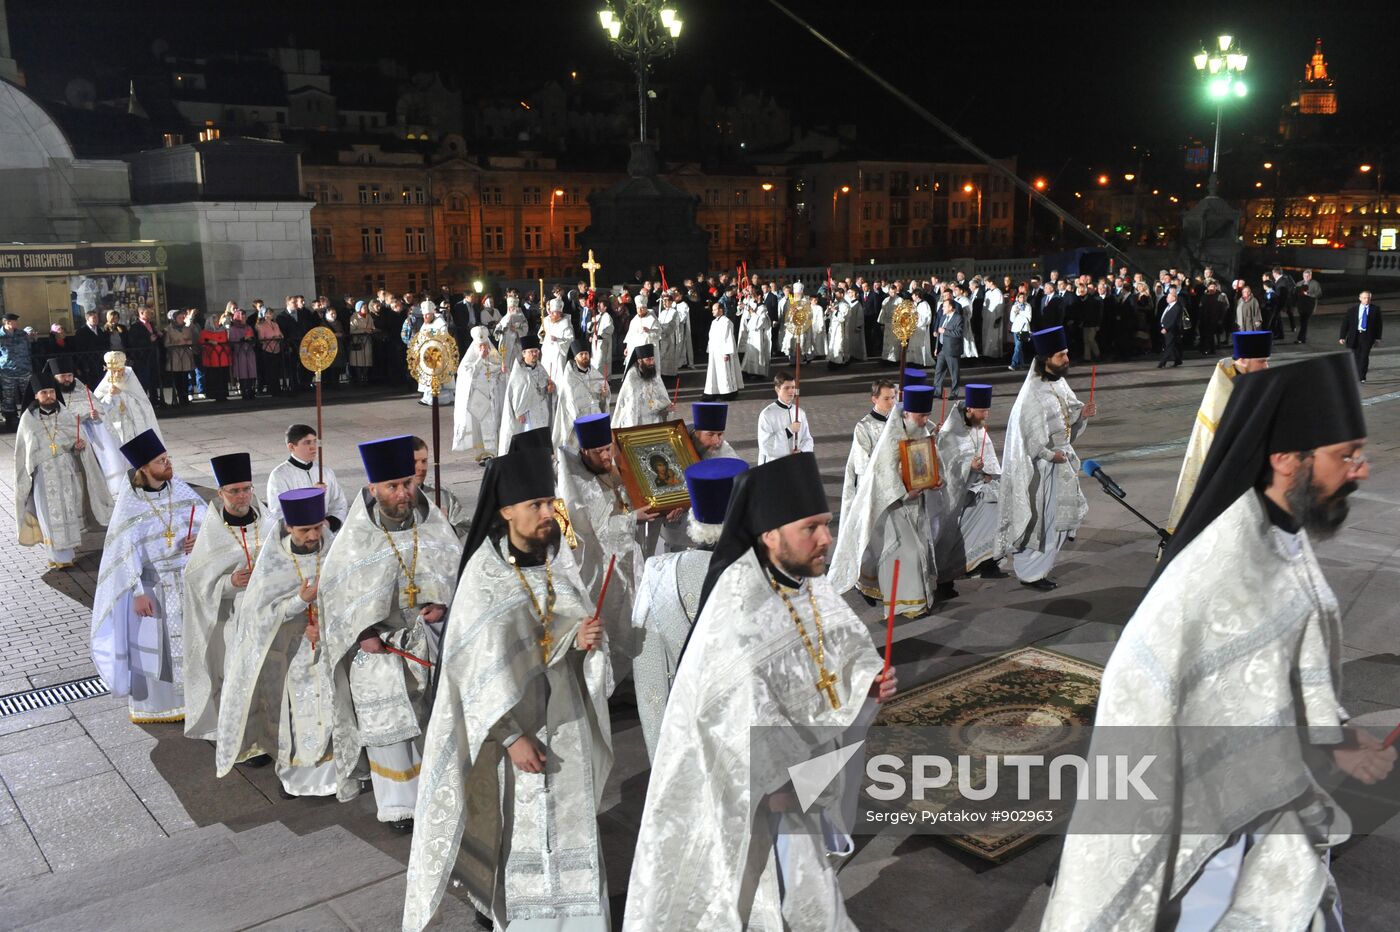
(1223, 70)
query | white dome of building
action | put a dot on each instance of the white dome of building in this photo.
(29, 138)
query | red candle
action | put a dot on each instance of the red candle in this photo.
(1391, 738)
(677, 392)
(943, 408)
(244, 532)
(406, 655)
(662, 270)
(1093, 378)
(889, 625)
(190, 532)
(607, 578)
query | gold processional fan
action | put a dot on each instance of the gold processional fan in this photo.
(799, 314)
(904, 321)
(433, 357)
(318, 349)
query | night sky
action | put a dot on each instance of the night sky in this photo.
(1053, 82)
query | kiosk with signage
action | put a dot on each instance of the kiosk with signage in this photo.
(56, 283)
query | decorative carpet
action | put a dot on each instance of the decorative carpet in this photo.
(1028, 701)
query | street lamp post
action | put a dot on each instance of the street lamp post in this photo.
(1040, 184)
(1223, 71)
(643, 32)
(968, 188)
(553, 253)
(837, 192)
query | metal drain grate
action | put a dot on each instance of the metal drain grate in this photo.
(47, 696)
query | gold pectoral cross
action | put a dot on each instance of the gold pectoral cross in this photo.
(53, 449)
(411, 593)
(546, 642)
(169, 536)
(826, 683)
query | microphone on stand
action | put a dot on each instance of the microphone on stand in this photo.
(1094, 470)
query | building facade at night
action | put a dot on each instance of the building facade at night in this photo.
(409, 221)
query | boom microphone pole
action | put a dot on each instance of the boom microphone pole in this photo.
(1115, 491)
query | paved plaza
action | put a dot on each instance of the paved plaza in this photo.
(104, 824)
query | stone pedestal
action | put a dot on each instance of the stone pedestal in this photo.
(645, 222)
(1210, 235)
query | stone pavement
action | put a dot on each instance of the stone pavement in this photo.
(91, 805)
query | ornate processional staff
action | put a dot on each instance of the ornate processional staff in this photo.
(434, 355)
(317, 352)
(799, 313)
(903, 322)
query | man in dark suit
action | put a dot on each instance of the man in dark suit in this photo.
(1169, 322)
(770, 304)
(1049, 311)
(948, 337)
(89, 344)
(1287, 291)
(870, 301)
(1361, 330)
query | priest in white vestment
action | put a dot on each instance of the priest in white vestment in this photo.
(668, 598)
(137, 623)
(920, 350)
(558, 338)
(433, 324)
(708, 420)
(757, 331)
(1041, 503)
(600, 338)
(887, 522)
(124, 411)
(519, 746)
(444, 500)
(685, 345)
(782, 426)
(510, 331)
(723, 843)
(863, 439)
(121, 401)
(667, 342)
(785, 313)
(722, 378)
(476, 412)
(890, 348)
(277, 697)
(641, 331)
(528, 395)
(993, 326)
(581, 390)
(216, 578)
(1252, 349)
(388, 580)
(643, 398)
(59, 486)
(104, 449)
(299, 471)
(838, 332)
(603, 525)
(965, 540)
(1229, 673)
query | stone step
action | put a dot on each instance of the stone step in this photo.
(33, 899)
(269, 872)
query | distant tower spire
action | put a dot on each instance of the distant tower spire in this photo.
(1316, 68)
